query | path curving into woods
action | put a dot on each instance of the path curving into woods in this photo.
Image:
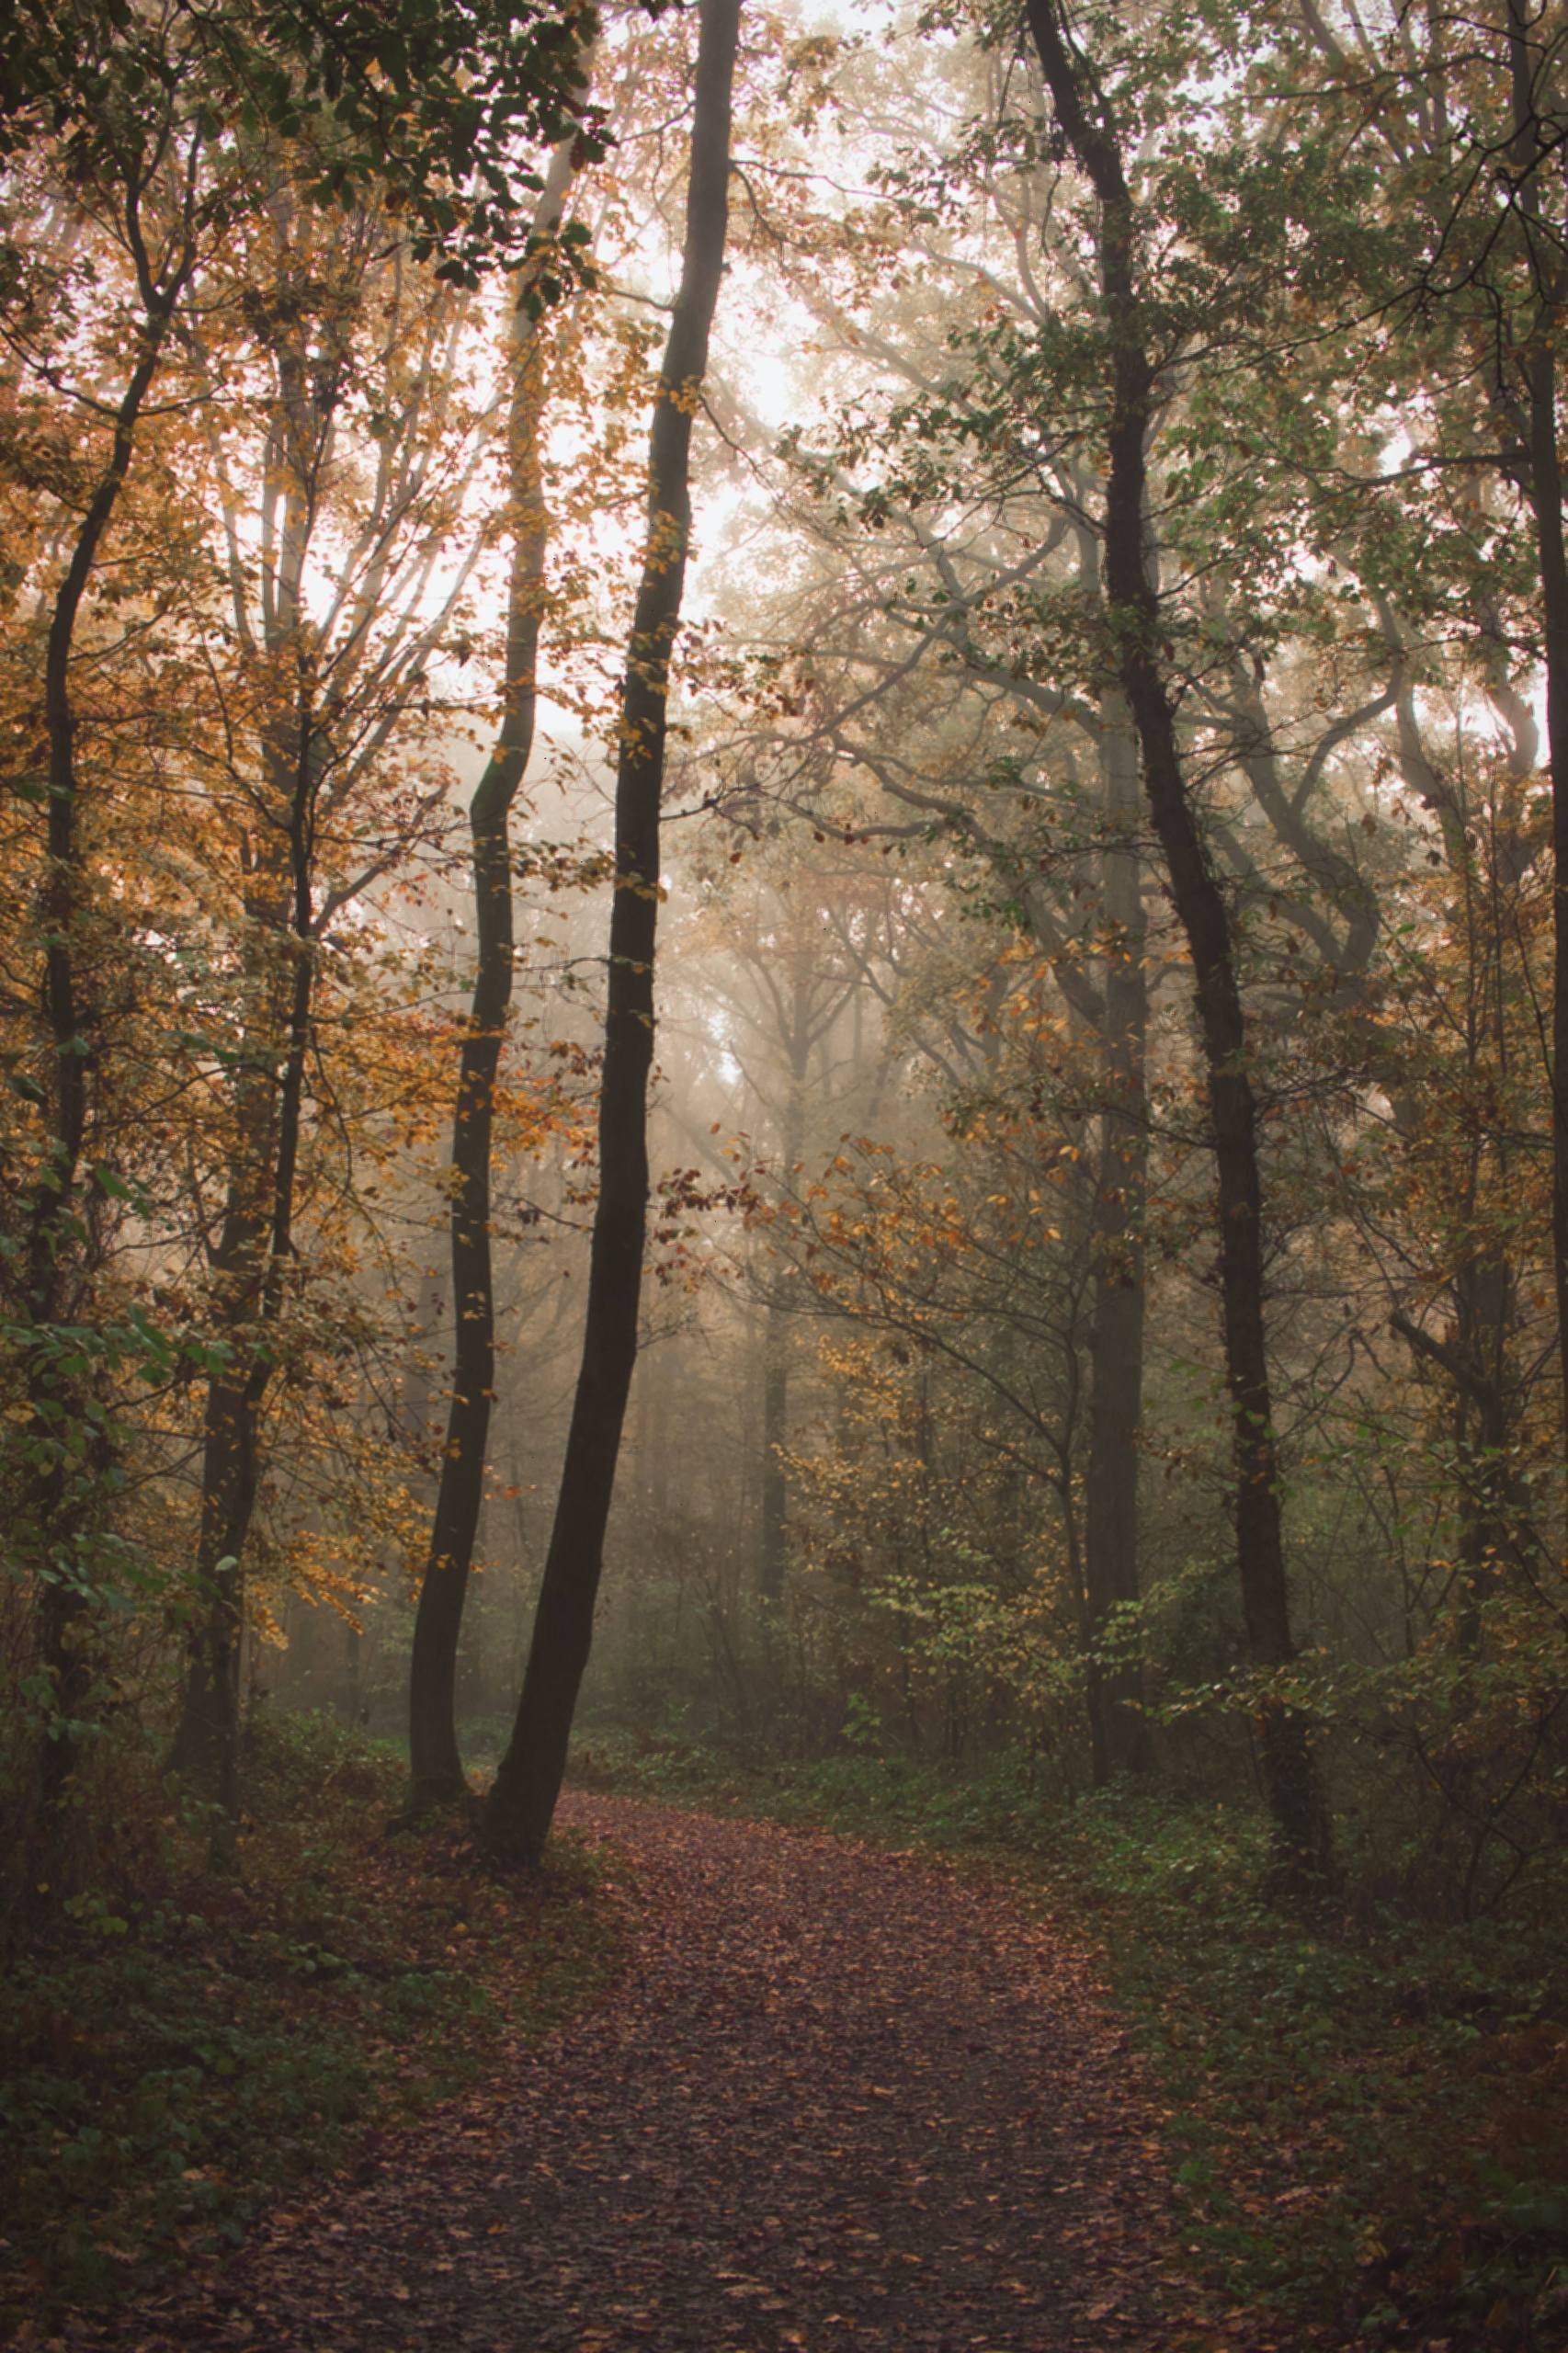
(838, 2100)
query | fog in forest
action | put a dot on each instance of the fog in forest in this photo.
(782, 990)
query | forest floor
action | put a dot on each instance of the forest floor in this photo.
(838, 2096)
(1362, 2112)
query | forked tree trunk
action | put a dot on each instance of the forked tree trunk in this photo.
(521, 1804)
(255, 1244)
(435, 1760)
(1295, 1799)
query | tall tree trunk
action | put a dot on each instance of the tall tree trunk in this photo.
(1546, 481)
(1295, 1799)
(1493, 1505)
(522, 1801)
(253, 1251)
(776, 1338)
(256, 1240)
(1482, 1292)
(1119, 1728)
(1534, 139)
(55, 1230)
(435, 1760)
(774, 1527)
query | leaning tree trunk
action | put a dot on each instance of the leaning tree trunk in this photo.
(518, 1812)
(1300, 1818)
(435, 1763)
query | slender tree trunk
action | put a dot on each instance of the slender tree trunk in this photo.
(1295, 1798)
(434, 1757)
(522, 1802)
(55, 1232)
(255, 1244)
(1546, 481)
(254, 1253)
(1493, 1511)
(205, 1751)
(1489, 1540)
(256, 1248)
(1530, 145)
(1493, 1505)
(1119, 1728)
(776, 1346)
(775, 1427)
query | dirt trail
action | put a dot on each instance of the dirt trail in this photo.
(839, 2100)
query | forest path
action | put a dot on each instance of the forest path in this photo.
(838, 2099)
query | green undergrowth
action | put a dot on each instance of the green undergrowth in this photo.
(170, 2058)
(1366, 2115)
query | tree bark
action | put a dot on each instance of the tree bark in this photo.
(775, 1329)
(520, 1806)
(1118, 1729)
(255, 1243)
(1530, 146)
(434, 1759)
(1299, 1816)
(252, 1260)
(774, 1529)
(55, 1230)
